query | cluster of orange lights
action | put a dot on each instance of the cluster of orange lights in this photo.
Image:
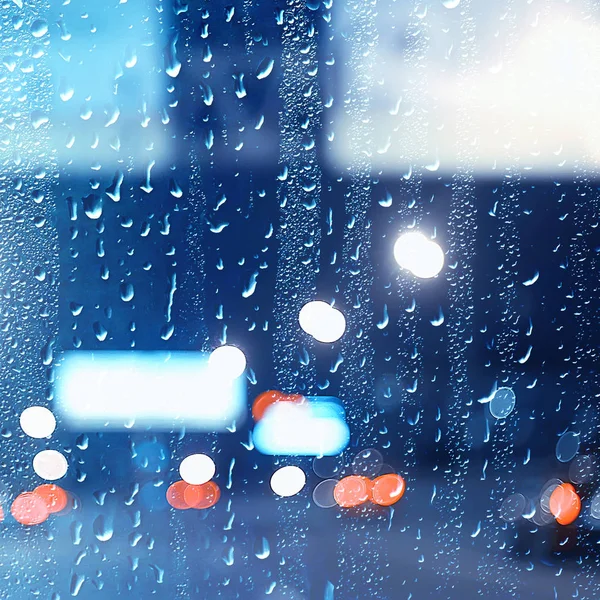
(355, 490)
(182, 495)
(33, 508)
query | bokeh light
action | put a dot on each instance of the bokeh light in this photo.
(311, 314)
(55, 497)
(546, 493)
(540, 516)
(583, 469)
(323, 322)
(367, 462)
(567, 446)
(513, 507)
(565, 504)
(316, 427)
(288, 481)
(126, 390)
(595, 506)
(50, 465)
(175, 495)
(197, 469)
(202, 496)
(352, 491)
(502, 403)
(270, 397)
(228, 361)
(407, 247)
(29, 509)
(37, 422)
(323, 495)
(388, 489)
(328, 466)
(419, 255)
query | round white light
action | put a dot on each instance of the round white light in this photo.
(50, 465)
(332, 328)
(197, 469)
(323, 322)
(423, 257)
(429, 262)
(407, 247)
(311, 315)
(228, 361)
(288, 481)
(37, 422)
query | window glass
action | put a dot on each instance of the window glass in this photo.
(298, 299)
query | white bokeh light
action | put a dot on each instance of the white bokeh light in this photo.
(50, 465)
(228, 361)
(419, 255)
(288, 481)
(323, 322)
(407, 247)
(38, 422)
(197, 469)
(311, 314)
(126, 390)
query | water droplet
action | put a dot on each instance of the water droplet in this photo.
(38, 118)
(127, 292)
(92, 206)
(130, 57)
(262, 549)
(265, 68)
(65, 91)
(76, 582)
(39, 28)
(100, 331)
(173, 66)
(103, 528)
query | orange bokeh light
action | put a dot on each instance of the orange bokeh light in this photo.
(388, 489)
(29, 509)
(55, 497)
(352, 491)
(565, 504)
(202, 496)
(176, 495)
(182, 495)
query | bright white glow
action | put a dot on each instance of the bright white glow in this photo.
(50, 465)
(529, 107)
(288, 481)
(38, 422)
(316, 427)
(322, 321)
(311, 314)
(406, 248)
(228, 361)
(332, 328)
(419, 255)
(137, 390)
(429, 262)
(197, 469)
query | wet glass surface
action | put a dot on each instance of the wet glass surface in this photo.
(299, 299)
